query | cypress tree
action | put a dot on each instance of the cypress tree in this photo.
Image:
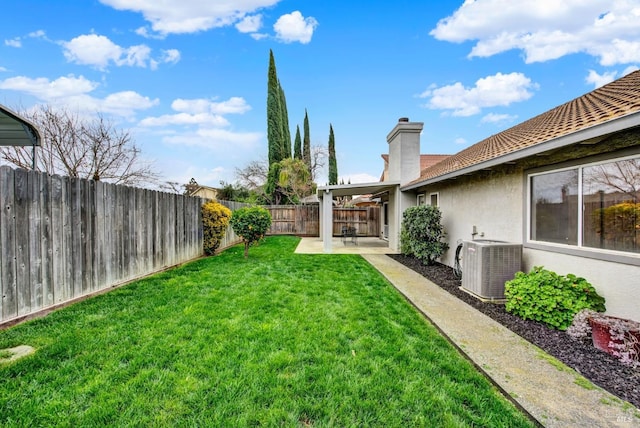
(274, 113)
(333, 164)
(306, 148)
(297, 146)
(284, 122)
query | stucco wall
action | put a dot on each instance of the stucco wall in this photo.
(493, 206)
(494, 203)
(618, 283)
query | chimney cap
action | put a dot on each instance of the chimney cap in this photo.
(403, 119)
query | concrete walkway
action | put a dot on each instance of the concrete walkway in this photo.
(554, 394)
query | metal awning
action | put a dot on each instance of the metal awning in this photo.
(17, 131)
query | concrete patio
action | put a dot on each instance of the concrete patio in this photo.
(364, 245)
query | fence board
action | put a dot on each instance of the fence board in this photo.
(21, 213)
(7, 238)
(34, 207)
(57, 239)
(47, 241)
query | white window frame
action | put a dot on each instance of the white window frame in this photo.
(421, 199)
(437, 195)
(578, 249)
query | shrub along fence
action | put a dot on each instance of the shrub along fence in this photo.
(64, 238)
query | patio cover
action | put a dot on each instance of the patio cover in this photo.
(17, 131)
(327, 193)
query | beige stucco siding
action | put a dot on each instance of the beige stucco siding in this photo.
(618, 283)
(495, 204)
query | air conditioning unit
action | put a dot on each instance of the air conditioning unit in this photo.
(487, 265)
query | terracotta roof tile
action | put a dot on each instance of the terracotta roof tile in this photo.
(617, 99)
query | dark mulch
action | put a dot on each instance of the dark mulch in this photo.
(597, 366)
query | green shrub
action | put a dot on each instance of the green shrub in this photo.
(250, 224)
(422, 233)
(215, 219)
(553, 299)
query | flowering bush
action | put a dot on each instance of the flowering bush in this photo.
(215, 219)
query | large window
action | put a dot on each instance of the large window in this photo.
(592, 206)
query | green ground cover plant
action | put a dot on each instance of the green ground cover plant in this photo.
(280, 339)
(553, 299)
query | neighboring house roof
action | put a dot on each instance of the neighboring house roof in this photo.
(425, 162)
(363, 200)
(615, 100)
(202, 191)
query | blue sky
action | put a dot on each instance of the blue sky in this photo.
(188, 78)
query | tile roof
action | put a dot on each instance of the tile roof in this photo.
(619, 98)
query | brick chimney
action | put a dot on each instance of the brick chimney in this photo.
(404, 151)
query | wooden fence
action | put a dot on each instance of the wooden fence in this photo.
(64, 238)
(366, 220)
(301, 220)
(304, 220)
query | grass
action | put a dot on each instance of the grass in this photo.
(280, 339)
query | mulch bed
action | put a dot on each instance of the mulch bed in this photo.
(597, 366)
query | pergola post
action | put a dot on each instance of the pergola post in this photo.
(327, 220)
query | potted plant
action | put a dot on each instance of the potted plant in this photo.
(616, 336)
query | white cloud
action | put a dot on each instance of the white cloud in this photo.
(497, 90)
(249, 24)
(234, 105)
(259, 36)
(39, 34)
(74, 92)
(293, 27)
(358, 178)
(598, 80)
(460, 141)
(14, 43)
(190, 16)
(98, 51)
(170, 56)
(498, 118)
(222, 141)
(185, 119)
(3, 69)
(201, 121)
(547, 29)
(92, 49)
(48, 90)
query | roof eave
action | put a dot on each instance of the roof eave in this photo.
(615, 125)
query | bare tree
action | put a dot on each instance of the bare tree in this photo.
(254, 175)
(621, 176)
(319, 156)
(92, 149)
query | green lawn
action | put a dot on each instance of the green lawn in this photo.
(280, 339)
